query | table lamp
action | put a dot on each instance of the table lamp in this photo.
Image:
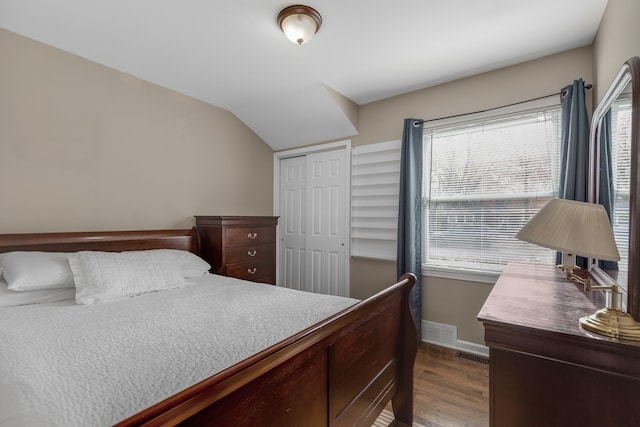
(580, 228)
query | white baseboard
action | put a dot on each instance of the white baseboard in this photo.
(447, 336)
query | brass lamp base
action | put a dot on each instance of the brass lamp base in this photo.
(612, 323)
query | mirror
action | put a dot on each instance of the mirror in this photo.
(616, 124)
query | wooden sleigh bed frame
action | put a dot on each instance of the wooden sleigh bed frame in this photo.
(340, 372)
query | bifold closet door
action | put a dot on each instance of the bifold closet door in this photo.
(313, 222)
(293, 222)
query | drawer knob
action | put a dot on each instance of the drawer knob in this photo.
(252, 270)
(252, 235)
(252, 253)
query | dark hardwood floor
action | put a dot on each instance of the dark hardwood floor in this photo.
(449, 390)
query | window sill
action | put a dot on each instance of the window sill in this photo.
(461, 274)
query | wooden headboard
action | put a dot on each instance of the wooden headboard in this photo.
(109, 241)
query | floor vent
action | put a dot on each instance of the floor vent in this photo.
(473, 357)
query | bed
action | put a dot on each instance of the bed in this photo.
(341, 370)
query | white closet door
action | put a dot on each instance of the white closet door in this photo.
(313, 222)
(293, 221)
(326, 222)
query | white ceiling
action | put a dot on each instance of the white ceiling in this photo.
(232, 54)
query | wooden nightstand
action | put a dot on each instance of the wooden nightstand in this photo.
(240, 246)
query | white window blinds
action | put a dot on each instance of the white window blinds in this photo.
(375, 181)
(483, 180)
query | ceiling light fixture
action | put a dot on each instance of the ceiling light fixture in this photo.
(299, 23)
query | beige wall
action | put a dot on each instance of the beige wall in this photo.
(456, 302)
(85, 147)
(617, 40)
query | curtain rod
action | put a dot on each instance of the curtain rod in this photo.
(417, 123)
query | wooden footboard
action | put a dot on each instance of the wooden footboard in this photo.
(340, 372)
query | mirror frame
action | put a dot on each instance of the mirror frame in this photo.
(629, 73)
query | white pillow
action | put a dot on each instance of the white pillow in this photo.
(105, 276)
(32, 270)
(12, 298)
(191, 265)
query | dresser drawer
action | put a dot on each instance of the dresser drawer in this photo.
(251, 270)
(249, 253)
(248, 235)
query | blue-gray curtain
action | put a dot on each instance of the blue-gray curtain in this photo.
(605, 182)
(574, 166)
(409, 257)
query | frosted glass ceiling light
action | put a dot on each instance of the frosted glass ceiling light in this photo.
(299, 23)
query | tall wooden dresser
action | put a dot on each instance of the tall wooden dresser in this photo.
(544, 369)
(240, 246)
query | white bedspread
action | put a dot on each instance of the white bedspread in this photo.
(63, 364)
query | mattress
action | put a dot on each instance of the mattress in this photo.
(63, 364)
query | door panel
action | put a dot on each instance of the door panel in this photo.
(293, 209)
(314, 227)
(327, 211)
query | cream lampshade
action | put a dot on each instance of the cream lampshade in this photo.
(576, 228)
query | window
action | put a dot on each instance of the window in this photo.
(484, 178)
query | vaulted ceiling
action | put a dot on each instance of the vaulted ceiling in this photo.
(233, 55)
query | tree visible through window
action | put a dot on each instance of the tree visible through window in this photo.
(484, 178)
